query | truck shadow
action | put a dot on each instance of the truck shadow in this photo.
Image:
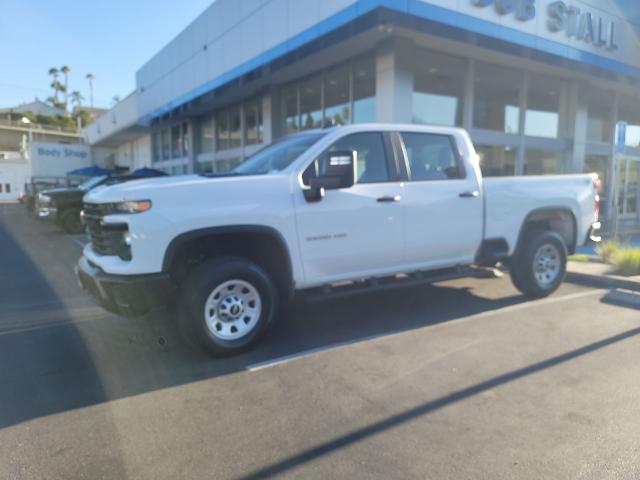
(59, 352)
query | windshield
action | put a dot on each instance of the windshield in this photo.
(278, 156)
(92, 182)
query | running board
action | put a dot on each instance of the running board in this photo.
(378, 284)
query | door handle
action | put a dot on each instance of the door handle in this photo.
(389, 199)
(473, 194)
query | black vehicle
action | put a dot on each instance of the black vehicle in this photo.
(63, 205)
(36, 185)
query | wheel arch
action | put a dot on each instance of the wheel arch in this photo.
(263, 244)
(552, 218)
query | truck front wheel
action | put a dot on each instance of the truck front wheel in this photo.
(538, 269)
(228, 304)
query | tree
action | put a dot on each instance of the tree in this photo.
(76, 98)
(65, 71)
(115, 100)
(91, 77)
(58, 88)
(55, 73)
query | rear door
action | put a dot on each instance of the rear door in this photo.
(358, 231)
(443, 205)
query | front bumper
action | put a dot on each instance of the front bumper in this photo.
(47, 213)
(129, 295)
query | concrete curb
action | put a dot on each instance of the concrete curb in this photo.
(603, 281)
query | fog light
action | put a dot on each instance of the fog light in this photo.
(127, 239)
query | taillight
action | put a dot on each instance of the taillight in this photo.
(597, 185)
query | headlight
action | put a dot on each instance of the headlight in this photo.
(44, 198)
(138, 206)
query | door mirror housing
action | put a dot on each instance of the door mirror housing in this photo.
(339, 171)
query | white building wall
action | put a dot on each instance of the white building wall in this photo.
(14, 173)
(134, 154)
(124, 115)
(234, 32)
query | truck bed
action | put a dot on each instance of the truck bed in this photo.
(510, 200)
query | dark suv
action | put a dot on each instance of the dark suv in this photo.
(63, 205)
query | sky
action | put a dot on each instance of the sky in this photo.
(111, 39)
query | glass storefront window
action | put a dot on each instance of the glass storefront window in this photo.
(223, 166)
(496, 103)
(205, 137)
(176, 142)
(166, 144)
(311, 103)
(542, 162)
(156, 145)
(205, 167)
(337, 108)
(222, 130)
(629, 112)
(542, 118)
(599, 125)
(290, 109)
(235, 128)
(438, 89)
(364, 90)
(253, 120)
(497, 160)
(185, 139)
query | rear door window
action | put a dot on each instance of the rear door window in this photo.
(432, 157)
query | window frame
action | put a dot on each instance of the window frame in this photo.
(391, 160)
(400, 146)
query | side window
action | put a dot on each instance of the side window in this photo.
(372, 161)
(432, 157)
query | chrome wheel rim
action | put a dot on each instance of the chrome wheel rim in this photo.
(546, 265)
(232, 310)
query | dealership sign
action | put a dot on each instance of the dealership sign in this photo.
(56, 159)
(573, 21)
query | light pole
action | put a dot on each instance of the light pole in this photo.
(26, 121)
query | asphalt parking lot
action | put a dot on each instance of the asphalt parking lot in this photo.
(464, 379)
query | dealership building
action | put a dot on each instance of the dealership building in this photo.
(539, 84)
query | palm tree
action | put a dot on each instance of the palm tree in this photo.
(54, 72)
(91, 77)
(115, 100)
(65, 71)
(76, 98)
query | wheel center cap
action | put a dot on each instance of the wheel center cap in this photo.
(231, 308)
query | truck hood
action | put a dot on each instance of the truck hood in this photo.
(63, 192)
(167, 189)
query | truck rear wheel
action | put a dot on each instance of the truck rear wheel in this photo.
(228, 304)
(540, 266)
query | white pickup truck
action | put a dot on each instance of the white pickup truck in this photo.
(332, 211)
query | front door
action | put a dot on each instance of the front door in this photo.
(354, 232)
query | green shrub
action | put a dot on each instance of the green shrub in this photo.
(607, 250)
(627, 261)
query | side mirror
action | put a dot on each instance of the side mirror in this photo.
(339, 172)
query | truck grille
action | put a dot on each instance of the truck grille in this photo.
(106, 239)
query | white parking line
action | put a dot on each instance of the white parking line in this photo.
(78, 242)
(511, 308)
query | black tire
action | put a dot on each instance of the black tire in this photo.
(523, 274)
(69, 221)
(203, 280)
